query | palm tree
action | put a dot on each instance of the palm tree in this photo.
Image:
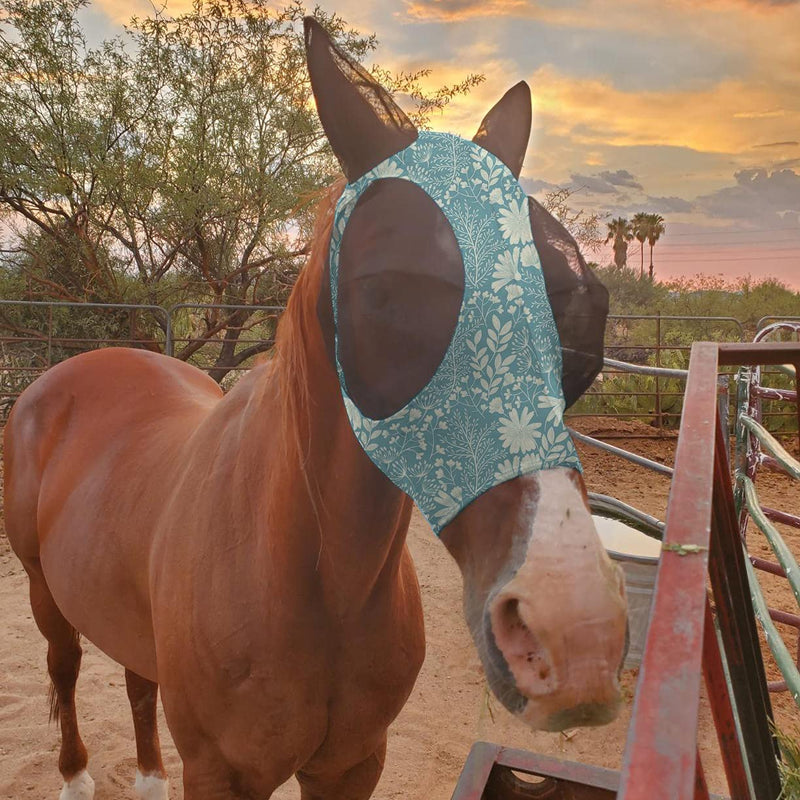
(639, 230)
(619, 231)
(655, 228)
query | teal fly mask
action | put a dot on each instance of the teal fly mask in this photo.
(445, 342)
(493, 408)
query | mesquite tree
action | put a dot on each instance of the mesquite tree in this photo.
(175, 163)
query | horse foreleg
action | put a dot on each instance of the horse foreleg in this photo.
(63, 663)
(356, 783)
(151, 778)
(208, 776)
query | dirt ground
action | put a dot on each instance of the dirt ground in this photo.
(448, 710)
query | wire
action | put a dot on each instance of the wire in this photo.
(661, 243)
(725, 232)
(766, 259)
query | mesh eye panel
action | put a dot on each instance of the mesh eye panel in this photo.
(401, 284)
(578, 299)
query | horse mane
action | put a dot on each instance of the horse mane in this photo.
(299, 333)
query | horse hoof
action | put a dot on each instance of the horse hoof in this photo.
(151, 787)
(79, 787)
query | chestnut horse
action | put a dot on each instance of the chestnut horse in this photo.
(243, 554)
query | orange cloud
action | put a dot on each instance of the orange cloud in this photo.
(457, 10)
(720, 21)
(587, 14)
(121, 11)
(724, 118)
(578, 121)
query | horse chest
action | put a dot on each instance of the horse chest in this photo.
(376, 663)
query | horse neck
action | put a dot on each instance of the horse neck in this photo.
(325, 495)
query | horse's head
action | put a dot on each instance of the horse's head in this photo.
(459, 316)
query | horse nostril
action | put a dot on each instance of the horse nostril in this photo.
(526, 657)
(508, 614)
(510, 630)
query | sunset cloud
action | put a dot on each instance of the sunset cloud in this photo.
(620, 178)
(593, 183)
(686, 108)
(757, 194)
(755, 4)
(667, 205)
(458, 10)
(708, 120)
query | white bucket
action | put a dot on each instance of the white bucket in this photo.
(638, 556)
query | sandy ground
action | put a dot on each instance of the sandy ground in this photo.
(428, 743)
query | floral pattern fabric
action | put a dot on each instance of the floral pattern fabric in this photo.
(494, 407)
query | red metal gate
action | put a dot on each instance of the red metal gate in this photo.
(688, 638)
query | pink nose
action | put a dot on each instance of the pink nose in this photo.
(528, 660)
(563, 660)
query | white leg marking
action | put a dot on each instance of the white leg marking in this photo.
(80, 787)
(151, 787)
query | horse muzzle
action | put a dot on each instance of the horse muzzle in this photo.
(555, 671)
(544, 602)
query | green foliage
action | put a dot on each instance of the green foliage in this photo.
(630, 293)
(633, 340)
(746, 299)
(179, 162)
(790, 764)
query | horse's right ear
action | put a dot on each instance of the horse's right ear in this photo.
(362, 122)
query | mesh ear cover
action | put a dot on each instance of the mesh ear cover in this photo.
(578, 299)
(363, 124)
(505, 130)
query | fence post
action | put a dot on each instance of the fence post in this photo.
(723, 407)
(659, 421)
(169, 344)
(49, 336)
(723, 396)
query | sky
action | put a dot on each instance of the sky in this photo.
(685, 108)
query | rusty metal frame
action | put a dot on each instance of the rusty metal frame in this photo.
(489, 774)
(660, 759)
(492, 772)
(685, 641)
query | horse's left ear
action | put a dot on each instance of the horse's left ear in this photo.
(362, 122)
(505, 130)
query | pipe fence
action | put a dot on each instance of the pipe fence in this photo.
(660, 346)
(757, 450)
(225, 340)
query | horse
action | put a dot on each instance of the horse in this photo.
(244, 554)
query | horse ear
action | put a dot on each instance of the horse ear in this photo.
(505, 130)
(362, 122)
